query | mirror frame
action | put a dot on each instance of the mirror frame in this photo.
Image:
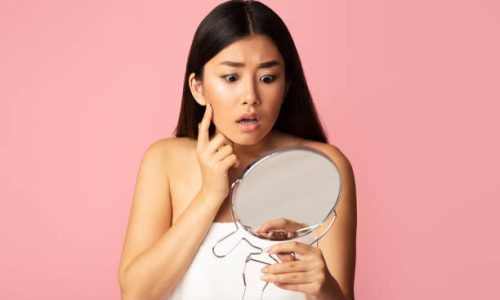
(268, 155)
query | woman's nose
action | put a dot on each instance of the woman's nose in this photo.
(251, 95)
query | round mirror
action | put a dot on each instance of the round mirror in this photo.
(286, 193)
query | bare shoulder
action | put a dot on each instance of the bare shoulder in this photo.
(169, 145)
(333, 152)
(167, 151)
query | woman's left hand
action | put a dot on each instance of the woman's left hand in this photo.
(307, 273)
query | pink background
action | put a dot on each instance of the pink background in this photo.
(408, 90)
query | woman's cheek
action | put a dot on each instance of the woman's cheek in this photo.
(217, 92)
(220, 98)
(220, 117)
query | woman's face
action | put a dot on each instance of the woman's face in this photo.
(246, 77)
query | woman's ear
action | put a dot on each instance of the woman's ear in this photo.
(196, 87)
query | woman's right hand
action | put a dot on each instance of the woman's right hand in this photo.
(215, 158)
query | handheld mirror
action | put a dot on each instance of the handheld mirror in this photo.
(286, 194)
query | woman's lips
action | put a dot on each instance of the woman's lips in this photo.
(248, 126)
(249, 116)
(248, 122)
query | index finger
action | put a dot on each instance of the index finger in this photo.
(288, 247)
(204, 125)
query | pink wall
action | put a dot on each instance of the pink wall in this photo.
(409, 90)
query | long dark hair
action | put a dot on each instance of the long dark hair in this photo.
(227, 23)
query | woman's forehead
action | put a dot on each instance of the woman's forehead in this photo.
(254, 49)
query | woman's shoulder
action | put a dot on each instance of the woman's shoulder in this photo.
(166, 152)
(171, 145)
(347, 174)
(332, 151)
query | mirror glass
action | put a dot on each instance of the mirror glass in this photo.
(286, 193)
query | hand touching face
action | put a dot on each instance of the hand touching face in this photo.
(215, 158)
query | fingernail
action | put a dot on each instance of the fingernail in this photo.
(267, 250)
(264, 269)
(264, 277)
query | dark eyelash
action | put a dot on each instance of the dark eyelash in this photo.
(228, 75)
(271, 76)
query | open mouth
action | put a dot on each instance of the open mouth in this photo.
(248, 122)
(248, 118)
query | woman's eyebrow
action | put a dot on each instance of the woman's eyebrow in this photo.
(235, 64)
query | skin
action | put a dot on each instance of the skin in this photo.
(183, 185)
(234, 90)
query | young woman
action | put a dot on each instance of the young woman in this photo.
(244, 94)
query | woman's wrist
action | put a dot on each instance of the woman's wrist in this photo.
(329, 291)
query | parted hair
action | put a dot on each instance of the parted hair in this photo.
(233, 20)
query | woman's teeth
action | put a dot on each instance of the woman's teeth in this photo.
(248, 121)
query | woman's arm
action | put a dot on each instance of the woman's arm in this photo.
(339, 244)
(155, 255)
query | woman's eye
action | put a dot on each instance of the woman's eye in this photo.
(230, 77)
(267, 78)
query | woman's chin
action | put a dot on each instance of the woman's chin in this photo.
(245, 138)
(244, 141)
